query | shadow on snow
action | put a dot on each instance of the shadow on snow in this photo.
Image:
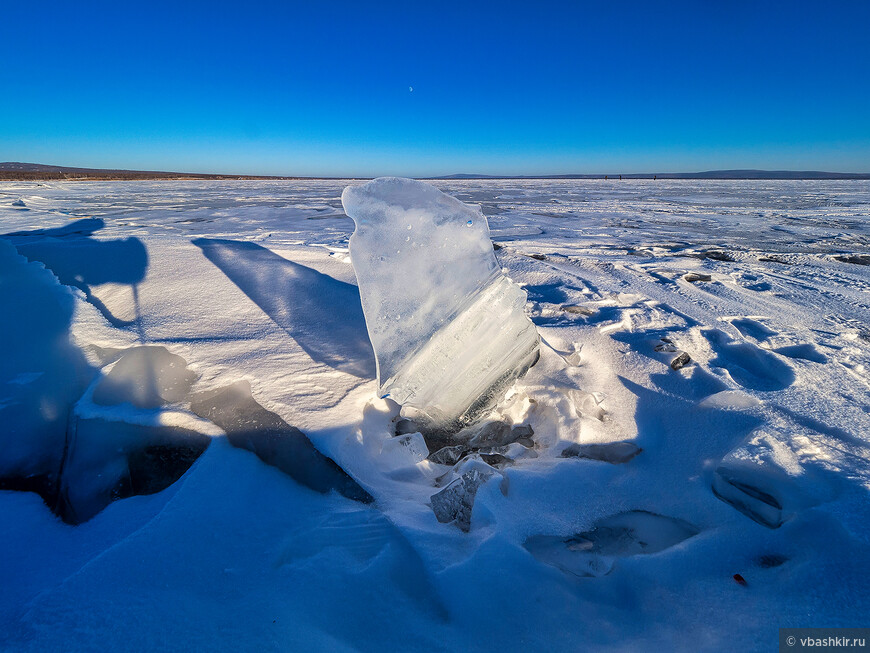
(322, 314)
(81, 261)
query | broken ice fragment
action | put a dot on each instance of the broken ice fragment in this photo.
(496, 460)
(495, 434)
(448, 328)
(578, 310)
(404, 450)
(615, 453)
(455, 502)
(449, 455)
(666, 344)
(754, 502)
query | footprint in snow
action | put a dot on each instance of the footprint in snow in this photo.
(805, 352)
(549, 293)
(760, 286)
(753, 329)
(748, 365)
(594, 552)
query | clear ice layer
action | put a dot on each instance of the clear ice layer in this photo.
(448, 328)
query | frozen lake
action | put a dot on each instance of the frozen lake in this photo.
(701, 409)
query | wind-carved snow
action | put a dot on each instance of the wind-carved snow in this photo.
(448, 328)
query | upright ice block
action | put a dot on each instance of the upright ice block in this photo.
(448, 328)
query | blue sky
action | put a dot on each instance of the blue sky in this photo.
(323, 88)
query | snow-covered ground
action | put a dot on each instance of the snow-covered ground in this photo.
(620, 524)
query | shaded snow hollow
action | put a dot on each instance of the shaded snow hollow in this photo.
(700, 409)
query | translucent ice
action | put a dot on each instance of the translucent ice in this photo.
(448, 328)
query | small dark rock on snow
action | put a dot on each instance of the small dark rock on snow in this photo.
(681, 361)
(856, 259)
(718, 255)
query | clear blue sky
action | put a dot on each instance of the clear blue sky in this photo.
(322, 88)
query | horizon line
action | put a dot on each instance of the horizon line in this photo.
(10, 169)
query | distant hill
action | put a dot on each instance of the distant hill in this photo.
(709, 174)
(13, 170)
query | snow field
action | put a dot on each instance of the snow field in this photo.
(647, 485)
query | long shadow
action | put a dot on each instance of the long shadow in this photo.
(250, 426)
(81, 261)
(322, 314)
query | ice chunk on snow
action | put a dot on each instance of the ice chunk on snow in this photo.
(615, 453)
(448, 328)
(404, 450)
(456, 501)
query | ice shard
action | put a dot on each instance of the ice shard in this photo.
(448, 328)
